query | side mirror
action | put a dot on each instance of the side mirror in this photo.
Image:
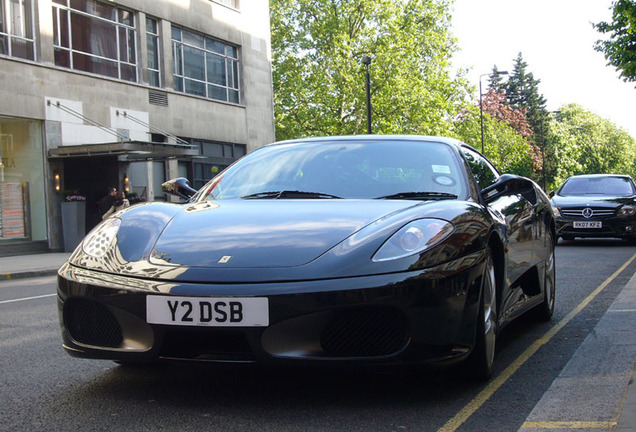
(509, 184)
(552, 193)
(179, 186)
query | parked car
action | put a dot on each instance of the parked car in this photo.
(366, 250)
(599, 205)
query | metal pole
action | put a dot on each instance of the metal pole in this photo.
(367, 61)
(481, 116)
(481, 105)
(368, 102)
(543, 152)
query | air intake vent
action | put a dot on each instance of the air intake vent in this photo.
(91, 323)
(158, 98)
(365, 332)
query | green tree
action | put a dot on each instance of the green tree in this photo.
(620, 48)
(522, 92)
(496, 81)
(585, 143)
(319, 86)
(503, 145)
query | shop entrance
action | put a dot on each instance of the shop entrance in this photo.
(91, 177)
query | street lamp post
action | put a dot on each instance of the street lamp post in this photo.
(481, 106)
(367, 61)
(543, 146)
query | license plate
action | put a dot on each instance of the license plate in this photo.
(588, 224)
(208, 311)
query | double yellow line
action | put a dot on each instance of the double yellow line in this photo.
(453, 424)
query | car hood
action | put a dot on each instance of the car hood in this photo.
(263, 233)
(591, 201)
(244, 241)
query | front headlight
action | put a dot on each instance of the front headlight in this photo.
(97, 243)
(414, 238)
(627, 210)
(556, 211)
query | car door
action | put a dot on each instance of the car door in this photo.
(518, 213)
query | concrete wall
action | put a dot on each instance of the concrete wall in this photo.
(25, 85)
(30, 89)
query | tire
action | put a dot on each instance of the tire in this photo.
(481, 360)
(544, 311)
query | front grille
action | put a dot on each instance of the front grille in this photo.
(206, 344)
(365, 332)
(91, 323)
(597, 213)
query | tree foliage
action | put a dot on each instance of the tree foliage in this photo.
(522, 92)
(584, 143)
(319, 80)
(319, 89)
(620, 48)
(503, 145)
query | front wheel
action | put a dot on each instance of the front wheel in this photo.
(482, 358)
(544, 311)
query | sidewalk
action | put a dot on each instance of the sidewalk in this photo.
(596, 391)
(26, 266)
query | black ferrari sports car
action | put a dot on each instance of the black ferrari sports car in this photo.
(365, 250)
(597, 205)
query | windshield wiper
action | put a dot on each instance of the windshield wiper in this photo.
(419, 195)
(290, 194)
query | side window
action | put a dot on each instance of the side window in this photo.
(485, 174)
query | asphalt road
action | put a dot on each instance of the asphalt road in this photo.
(44, 389)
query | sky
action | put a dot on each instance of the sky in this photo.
(556, 39)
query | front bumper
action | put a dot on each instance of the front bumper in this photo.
(424, 316)
(611, 227)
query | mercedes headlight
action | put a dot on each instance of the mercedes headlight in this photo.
(414, 238)
(97, 243)
(627, 210)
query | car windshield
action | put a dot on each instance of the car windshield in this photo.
(605, 186)
(353, 169)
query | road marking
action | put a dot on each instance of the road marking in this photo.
(27, 298)
(606, 425)
(453, 424)
(622, 310)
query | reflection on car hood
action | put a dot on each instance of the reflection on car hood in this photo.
(590, 201)
(263, 234)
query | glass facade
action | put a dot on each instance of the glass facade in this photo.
(152, 42)
(216, 156)
(22, 200)
(16, 29)
(95, 37)
(105, 39)
(204, 66)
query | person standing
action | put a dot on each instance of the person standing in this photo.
(107, 202)
(120, 203)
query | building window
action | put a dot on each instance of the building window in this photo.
(204, 66)
(16, 29)
(230, 3)
(214, 158)
(95, 37)
(152, 41)
(22, 197)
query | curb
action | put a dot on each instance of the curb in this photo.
(595, 391)
(27, 274)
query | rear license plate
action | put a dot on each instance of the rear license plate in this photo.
(208, 311)
(588, 224)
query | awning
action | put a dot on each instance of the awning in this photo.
(131, 150)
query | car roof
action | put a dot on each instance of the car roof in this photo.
(599, 175)
(357, 138)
